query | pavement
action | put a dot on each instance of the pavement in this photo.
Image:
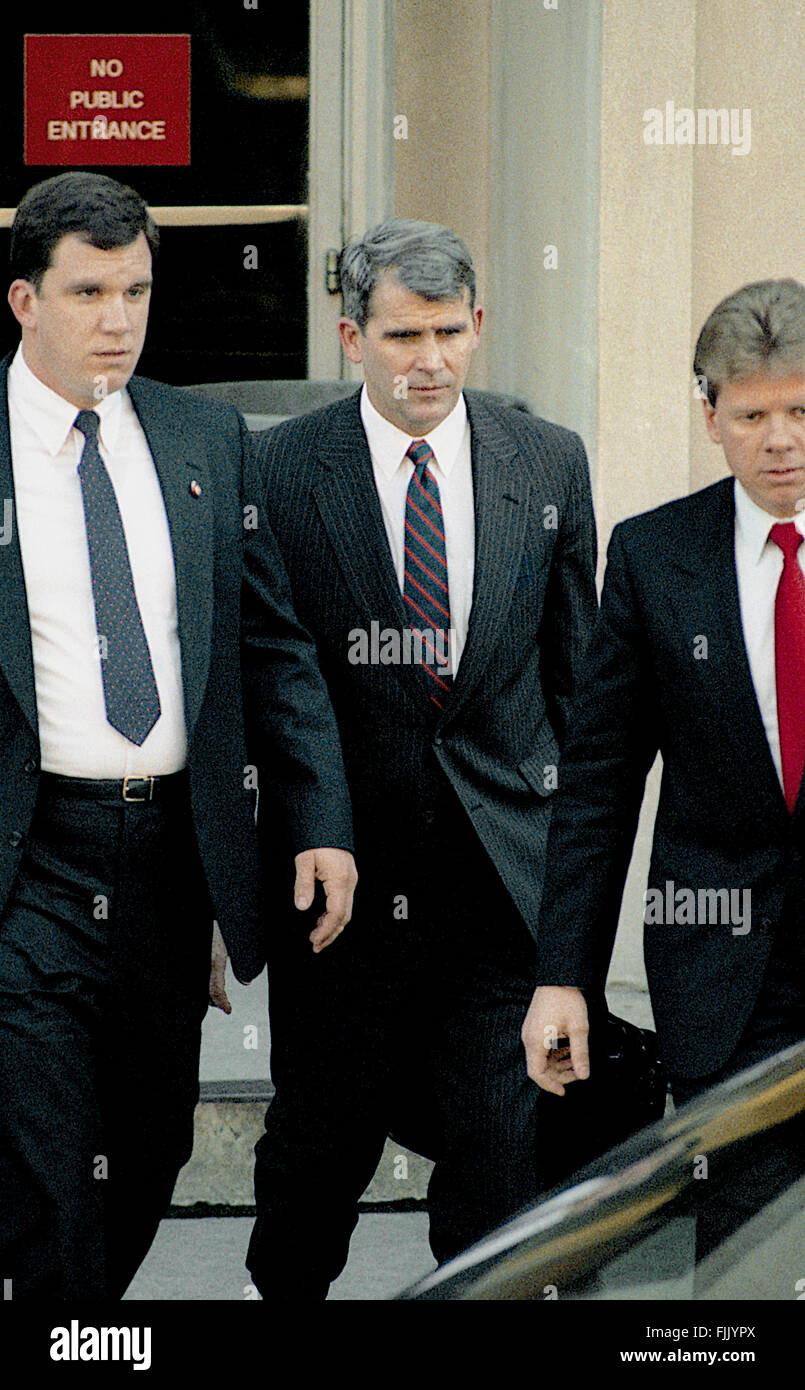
(202, 1258)
(195, 1258)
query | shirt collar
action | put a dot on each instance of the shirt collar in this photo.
(754, 524)
(388, 445)
(50, 416)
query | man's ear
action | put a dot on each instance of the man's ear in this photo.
(710, 422)
(351, 339)
(23, 298)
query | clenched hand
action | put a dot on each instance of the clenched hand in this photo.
(556, 1013)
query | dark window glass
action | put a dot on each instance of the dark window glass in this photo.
(212, 318)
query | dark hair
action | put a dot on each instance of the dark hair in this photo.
(99, 210)
(428, 259)
(758, 328)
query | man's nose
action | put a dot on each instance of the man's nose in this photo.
(431, 357)
(779, 434)
(115, 317)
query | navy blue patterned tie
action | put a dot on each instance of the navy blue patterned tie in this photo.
(130, 691)
(425, 588)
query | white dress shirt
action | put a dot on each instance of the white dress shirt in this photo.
(76, 739)
(758, 565)
(450, 442)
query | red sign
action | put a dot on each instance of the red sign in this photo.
(107, 99)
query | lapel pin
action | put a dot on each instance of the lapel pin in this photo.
(195, 488)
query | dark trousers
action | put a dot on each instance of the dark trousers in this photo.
(104, 968)
(408, 1024)
(744, 1181)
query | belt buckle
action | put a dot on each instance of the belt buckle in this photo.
(128, 797)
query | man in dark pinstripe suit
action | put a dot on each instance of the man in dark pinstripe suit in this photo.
(413, 510)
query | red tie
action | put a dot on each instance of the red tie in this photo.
(789, 659)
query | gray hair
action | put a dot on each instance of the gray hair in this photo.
(429, 260)
(761, 327)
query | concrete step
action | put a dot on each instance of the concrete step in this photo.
(229, 1120)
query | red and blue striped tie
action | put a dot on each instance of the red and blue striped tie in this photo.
(425, 589)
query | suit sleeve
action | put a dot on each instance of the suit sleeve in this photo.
(291, 732)
(612, 743)
(571, 600)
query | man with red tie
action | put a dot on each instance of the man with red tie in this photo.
(698, 654)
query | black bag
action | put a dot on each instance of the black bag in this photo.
(635, 1075)
(625, 1091)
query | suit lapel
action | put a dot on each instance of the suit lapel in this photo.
(16, 657)
(179, 452)
(350, 509)
(349, 506)
(501, 496)
(709, 557)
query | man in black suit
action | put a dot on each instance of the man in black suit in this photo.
(151, 669)
(698, 654)
(441, 549)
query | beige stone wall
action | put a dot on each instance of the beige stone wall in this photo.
(681, 226)
(644, 262)
(749, 222)
(441, 171)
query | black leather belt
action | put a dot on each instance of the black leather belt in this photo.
(129, 789)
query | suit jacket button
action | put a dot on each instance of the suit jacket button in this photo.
(32, 765)
(15, 838)
(438, 740)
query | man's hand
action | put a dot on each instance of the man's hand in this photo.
(556, 1013)
(218, 960)
(335, 868)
